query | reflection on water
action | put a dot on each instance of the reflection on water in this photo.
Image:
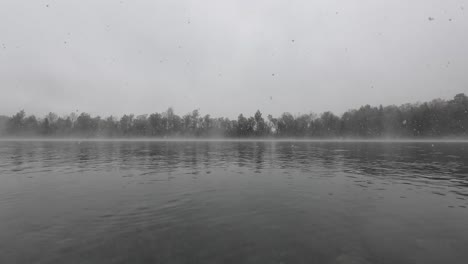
(233, 202)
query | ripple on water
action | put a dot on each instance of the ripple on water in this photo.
(310, 199)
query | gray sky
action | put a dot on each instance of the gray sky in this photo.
(227, 57)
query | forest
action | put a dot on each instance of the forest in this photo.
(435, 119)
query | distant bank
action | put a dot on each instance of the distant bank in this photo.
(437, 119)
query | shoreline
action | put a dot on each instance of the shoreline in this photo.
(335, 140)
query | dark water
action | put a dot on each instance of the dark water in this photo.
(233, 202)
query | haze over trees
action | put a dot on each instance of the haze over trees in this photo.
(435, 119)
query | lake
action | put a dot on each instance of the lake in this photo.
(233, 202)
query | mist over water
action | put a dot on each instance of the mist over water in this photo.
(233, 202)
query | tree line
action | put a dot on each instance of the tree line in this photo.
(437, 118)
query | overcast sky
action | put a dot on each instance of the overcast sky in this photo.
(229, 57)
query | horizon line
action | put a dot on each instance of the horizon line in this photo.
(332, 140)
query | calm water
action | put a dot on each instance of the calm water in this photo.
(233, 202)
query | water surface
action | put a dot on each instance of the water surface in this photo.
(233, 202)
